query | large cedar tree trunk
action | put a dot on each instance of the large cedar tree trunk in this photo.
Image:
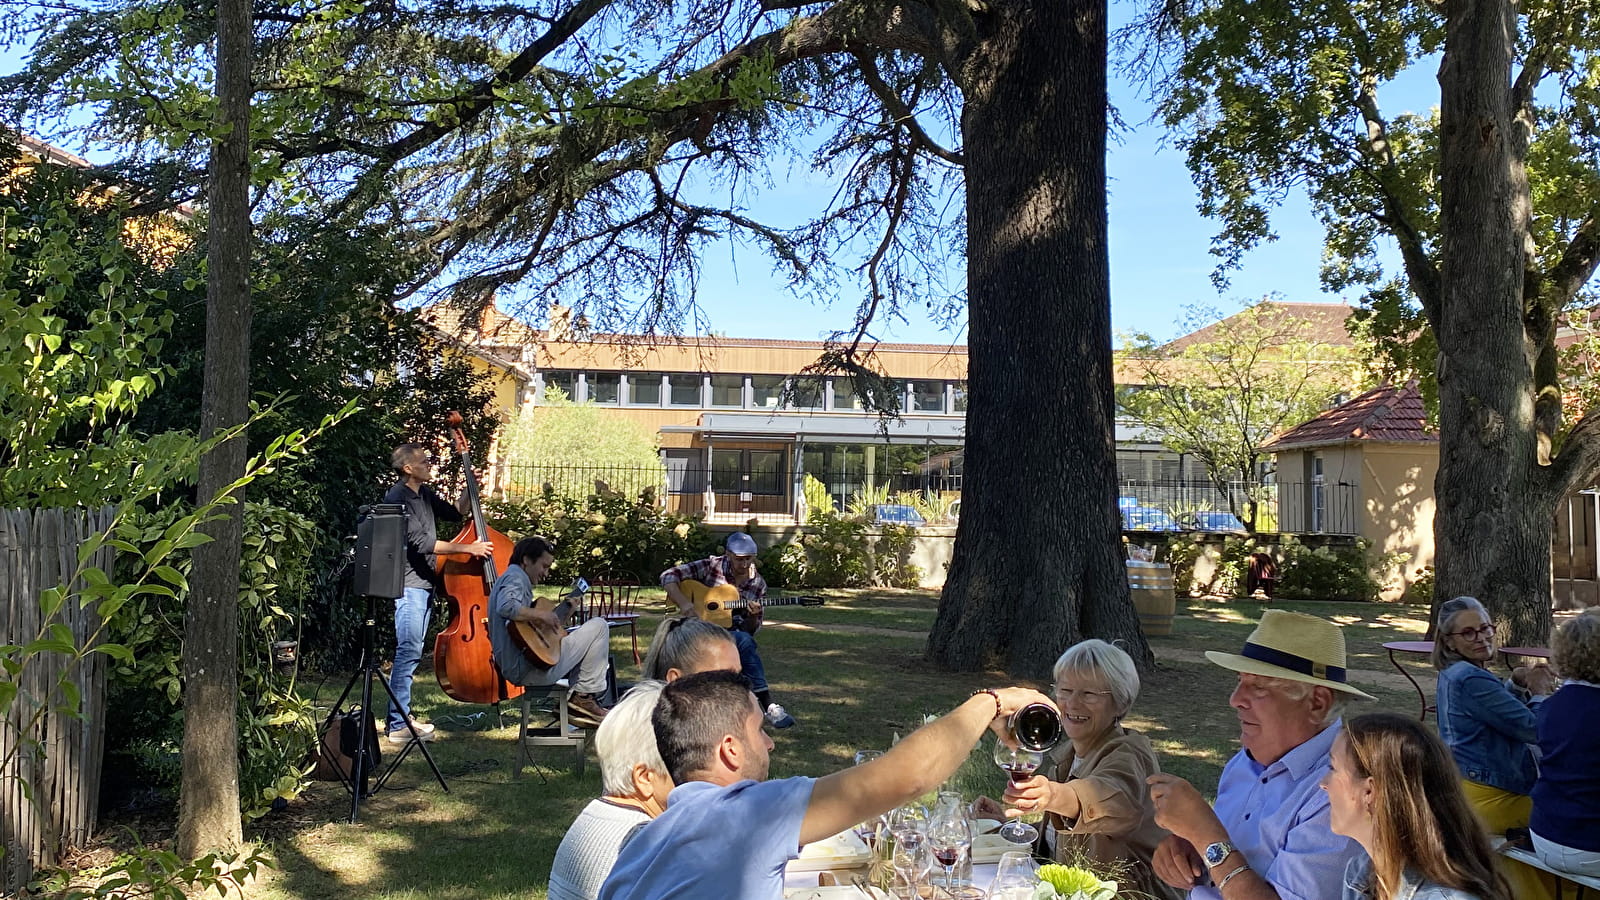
(208, 815)
(1038, 557)
(1493, 525)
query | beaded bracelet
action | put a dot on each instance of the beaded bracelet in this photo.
(999, 710)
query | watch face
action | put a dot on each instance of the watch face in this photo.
(1216, 853)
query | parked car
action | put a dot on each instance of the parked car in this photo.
(1147, 518)
(1212, 520)
(896, 514)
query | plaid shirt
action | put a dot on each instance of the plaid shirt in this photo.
(712, 572)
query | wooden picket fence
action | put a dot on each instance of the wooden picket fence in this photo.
(50, 777)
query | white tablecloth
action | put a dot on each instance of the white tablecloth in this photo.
(982, 876)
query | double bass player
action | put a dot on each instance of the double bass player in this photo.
(423, 509)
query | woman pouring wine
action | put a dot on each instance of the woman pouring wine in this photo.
(1093, 791)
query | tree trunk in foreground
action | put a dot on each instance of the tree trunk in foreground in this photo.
(1038, 554)
(1493, 525)
(208, 811)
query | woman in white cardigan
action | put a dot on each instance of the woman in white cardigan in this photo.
(635, 785)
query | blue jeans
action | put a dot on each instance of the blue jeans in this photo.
(750, 660)
(410, 628)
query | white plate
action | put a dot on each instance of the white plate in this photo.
(845, 850)
(988, 848)
(984, 826)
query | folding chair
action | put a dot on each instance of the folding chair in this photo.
(615, 598)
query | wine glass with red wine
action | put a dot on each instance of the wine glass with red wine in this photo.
(1019, 764)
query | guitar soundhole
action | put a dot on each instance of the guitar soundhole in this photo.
(713, 606)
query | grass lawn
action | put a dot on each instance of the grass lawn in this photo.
(493, 835)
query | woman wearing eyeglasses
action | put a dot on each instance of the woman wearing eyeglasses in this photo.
(1488, 725)
(1093, 790)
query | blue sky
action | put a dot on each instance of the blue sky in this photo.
(1159, 245)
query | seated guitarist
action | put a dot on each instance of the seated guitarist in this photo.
(736, 566)
(585, 650)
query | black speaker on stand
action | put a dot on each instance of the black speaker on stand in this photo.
(380, 567)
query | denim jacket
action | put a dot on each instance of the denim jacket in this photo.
(1487, 728)
(1359, 884)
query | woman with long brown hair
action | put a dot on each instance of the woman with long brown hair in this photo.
(1393, 788)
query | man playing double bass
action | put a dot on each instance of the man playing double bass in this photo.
(423, 510)
(586, 650)
(736, 566)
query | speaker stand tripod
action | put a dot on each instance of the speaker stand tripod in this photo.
(364, 675)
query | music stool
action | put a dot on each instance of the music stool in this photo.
(556, 731)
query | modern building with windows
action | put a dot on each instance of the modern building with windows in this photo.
(740, 424)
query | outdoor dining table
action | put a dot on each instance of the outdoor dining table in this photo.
(1508, 653)
(795, 884)
(1421, 648)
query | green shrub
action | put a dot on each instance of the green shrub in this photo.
(605, 534)
(835, 551)
(892, 558)
(276, 727)
(1326, 573)
(1420, 591)
(783, 564)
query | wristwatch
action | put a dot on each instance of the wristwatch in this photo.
(1217, 852)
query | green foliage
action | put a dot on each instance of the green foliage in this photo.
(81, 334)
(568, 446)
(836, 550)
(276, 728)
(1326, 572)
(1420, 591)
(867, 496)
(1261, 371)
(816, 495)
(783, 564)
(892, 557)
(931, 505)
(604, 534)
(158, 875)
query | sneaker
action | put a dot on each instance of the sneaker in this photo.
(401, 736)
(583, 709)
(778, 717)
(423, 728)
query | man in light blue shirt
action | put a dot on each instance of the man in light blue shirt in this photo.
(1269, 836)
(728, 832)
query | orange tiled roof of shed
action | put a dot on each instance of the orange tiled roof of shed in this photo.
(1388, 414)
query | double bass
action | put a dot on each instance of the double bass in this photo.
(463, 659)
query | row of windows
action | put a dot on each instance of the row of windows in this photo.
(768, 392)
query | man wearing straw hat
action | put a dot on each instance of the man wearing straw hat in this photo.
(1269, 835)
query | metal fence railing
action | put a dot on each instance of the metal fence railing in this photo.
(1331, 508)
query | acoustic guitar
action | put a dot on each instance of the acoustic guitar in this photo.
(716, 603)
(540, 642)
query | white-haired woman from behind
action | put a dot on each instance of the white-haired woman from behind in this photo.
(634, 784)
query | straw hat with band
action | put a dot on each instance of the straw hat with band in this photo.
(1293, 646)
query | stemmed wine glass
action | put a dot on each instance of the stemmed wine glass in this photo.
(1016, 876)
(868, 831)
(949, 836)
(1020, 764)
(911, 859)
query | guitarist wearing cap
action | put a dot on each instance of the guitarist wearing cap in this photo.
(736, 567)
(585, 650)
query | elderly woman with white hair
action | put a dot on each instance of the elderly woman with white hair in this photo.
(1093, 794)
(635, 785)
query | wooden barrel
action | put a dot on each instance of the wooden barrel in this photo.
(1150, 585)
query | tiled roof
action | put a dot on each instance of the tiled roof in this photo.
(1326, 324)
(1388, 414)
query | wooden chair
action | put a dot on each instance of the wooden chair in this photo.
(615, 599)
(556, 730)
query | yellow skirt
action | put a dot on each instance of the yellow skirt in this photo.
(1499, 810)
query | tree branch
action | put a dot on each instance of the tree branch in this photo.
(1578, 463)
(903, 116)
